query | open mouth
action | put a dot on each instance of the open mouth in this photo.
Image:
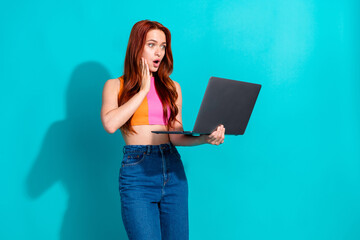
(156, 61)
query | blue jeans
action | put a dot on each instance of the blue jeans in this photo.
(154, 193)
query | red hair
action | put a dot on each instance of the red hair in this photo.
(132, 72)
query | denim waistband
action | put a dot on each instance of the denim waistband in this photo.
(149, 148)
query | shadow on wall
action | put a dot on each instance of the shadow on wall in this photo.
(85, 159)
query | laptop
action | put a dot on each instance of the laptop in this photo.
(227, 102)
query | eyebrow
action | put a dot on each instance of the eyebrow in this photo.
(153, 40)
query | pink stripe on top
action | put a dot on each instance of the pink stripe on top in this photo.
(155, 106)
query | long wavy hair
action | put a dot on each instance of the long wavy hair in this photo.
(165, 87)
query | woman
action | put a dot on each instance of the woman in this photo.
(152, 182)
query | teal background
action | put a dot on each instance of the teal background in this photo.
(295, 174)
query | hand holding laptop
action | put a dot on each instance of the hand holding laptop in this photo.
(216, 137)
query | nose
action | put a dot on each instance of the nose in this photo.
(157, 52)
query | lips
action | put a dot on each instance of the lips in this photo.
(156, 63)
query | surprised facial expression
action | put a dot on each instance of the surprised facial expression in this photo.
(154, 49)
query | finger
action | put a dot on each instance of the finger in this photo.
(212, 139)
(222, 134)
(147, 69)
(142, 66)
(217, 136)
(219, 131)
(219, 140)
(214, 134)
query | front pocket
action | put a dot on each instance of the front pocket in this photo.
(131, 159)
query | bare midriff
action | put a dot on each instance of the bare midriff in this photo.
(144, 135)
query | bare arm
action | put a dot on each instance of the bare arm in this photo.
(216, 137)
(113, 116)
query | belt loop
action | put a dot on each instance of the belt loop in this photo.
(148, 150)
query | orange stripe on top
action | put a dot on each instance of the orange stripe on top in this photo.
(141, 115)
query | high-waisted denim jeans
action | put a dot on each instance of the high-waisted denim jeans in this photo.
(154, 193)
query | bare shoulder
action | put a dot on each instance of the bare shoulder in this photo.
(112, 84)
(177, 85)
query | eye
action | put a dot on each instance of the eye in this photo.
(151, 44)
(163, 46)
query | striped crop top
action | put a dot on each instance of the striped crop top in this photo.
(150, 111)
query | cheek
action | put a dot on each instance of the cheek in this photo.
(146, 52)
